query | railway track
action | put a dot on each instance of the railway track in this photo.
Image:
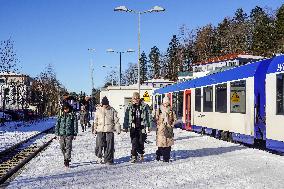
(14, 158)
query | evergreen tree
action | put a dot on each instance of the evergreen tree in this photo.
(279, 27)
(143, 67)
(174, 64)
(154, 66)
(263, 29)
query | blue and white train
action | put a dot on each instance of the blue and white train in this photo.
(244, 104)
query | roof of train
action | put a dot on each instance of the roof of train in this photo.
(237, 73)
(276, 65)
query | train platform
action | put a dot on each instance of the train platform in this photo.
(197, 161)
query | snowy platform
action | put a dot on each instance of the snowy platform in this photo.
(197, 162)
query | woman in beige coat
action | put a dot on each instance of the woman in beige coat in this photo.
(165, 135)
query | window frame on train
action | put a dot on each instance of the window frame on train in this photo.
(198, 100)
(208, 99)
(280, 97)
(240, 93)
(221, 98)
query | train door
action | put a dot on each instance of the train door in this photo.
(187, 109)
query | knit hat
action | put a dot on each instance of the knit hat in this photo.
(166, 100)
(105, 101)
(135, 95)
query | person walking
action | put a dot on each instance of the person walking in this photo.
(137, 120)
(83, 118)
(105, 123)
(165, 135)
(66, 130)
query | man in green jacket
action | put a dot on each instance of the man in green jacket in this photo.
(137, 120)
(66, 129)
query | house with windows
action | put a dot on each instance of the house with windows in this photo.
(14, 90)
(214, 65)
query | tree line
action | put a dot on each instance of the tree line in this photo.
(261, 32)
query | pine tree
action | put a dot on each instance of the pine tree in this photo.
(143, 67)
(263, 29)
(279, 27)
(174, 64)
(154, 66)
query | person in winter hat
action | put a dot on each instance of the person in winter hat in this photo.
(83, 118)
(105, 123)
(66, 130)
(136, 119)
(165, 136)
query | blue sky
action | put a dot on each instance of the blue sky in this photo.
(60, 31)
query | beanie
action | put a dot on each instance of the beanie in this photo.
(105, 101)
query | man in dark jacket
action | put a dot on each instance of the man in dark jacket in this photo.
(66, 129)
(137, 120)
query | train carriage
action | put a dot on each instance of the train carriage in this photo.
(233, 103)
(275, 104)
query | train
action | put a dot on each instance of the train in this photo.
(243, 104)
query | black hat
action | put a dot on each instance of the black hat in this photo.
(105, 101)
(65, 105)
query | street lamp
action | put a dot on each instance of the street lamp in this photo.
(120, 52)
(92, 69)
(92, 79)
(125, 9)
(111, 67)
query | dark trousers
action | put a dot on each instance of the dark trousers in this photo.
(105, 146)
(66, 146)
(137, 141)
(165, 152)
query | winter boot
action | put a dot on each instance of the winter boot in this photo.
(141, 157)
(133, 159)
(158, 158)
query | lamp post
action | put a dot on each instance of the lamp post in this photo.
(125, 9)
(120, 52)
(104, 66)
(92, 69)
(92, 79)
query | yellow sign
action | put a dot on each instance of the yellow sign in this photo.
(235, 97)
(146, 96)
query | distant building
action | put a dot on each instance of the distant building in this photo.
(14, 89)
(217, 64)
(120, 97)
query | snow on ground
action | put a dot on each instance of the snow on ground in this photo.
(15, 132)
(197, 162)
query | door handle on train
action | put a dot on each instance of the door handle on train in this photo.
(201, 115)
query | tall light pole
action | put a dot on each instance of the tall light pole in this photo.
(154, 9)
(120, 52)
(92, 69)
(92, 80)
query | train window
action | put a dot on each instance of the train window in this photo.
(208, 99)
(180, 104)
(238, 97)
(221, 98)
(279, 94)
(198, 100)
